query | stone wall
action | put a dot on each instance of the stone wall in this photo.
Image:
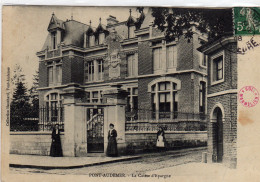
(138, 142)
(31, 143)
(39, 143)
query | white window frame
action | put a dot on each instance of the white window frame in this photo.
(92, 74)
(156, 93)
(100, 64)
(91, 98)
(55, 81)
(159, 62)
(203, 57)
(174, 66)
(48, 100)
(131, 30)
(54, 40)
(101, 38)
(132, 65)
(222, 53)
(91, 39)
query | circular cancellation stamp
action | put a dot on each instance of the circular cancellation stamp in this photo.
(248, 96)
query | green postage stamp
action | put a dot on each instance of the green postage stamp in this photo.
(246, 20)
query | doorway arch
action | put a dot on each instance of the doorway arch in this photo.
(217, 118)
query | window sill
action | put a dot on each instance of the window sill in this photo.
(96, 81)
(129, 77)
(217, 82)
(169, 70)
(202, 66)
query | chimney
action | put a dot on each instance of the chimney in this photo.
(111, 20)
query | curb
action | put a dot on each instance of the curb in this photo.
(75, 166)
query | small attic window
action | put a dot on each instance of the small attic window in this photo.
(131, 32)
(101, 38)
(54, 40)
(91, 39)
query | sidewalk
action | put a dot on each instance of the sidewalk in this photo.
(47, 162)
(198, 171)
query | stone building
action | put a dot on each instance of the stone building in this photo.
(127, 70)
(222, 100)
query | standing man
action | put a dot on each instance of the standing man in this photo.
(112, 144)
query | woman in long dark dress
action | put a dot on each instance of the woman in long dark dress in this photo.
(112, 144)
(56, 150)
(160, 142)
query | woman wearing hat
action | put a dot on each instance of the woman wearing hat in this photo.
(112, 144)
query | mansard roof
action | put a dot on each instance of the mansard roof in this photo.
(55, 23)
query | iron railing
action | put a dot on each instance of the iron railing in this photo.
(49, 117)
(147, 120)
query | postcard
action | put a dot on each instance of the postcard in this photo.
(130, 93)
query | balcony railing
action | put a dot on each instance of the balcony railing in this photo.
(53, 53)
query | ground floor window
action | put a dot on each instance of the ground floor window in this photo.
(54, 107)
(132, 99)
(164, 100)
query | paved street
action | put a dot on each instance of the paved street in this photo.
(149, 162)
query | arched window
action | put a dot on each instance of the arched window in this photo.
(164, 100)
(202, 97)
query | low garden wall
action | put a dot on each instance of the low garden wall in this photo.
(138, 142)
(38, 143)
(31, 143)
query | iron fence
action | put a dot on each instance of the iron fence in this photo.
(147, 120)
(45, 119)
(49, 117)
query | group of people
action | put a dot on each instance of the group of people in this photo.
(56, 149)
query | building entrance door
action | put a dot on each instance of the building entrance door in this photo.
(95, 130)
(218, 135)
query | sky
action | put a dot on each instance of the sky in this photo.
(25, 30)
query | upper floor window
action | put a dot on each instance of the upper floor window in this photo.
(90, 70)
(132, 65)
(170, 56)
(100, 69)
(203, 59)
(157, 58)
(94, 70)
(131, 31)
(202, 97)
(54, 74)
(218, 69)
(164, 100)
(54, 40)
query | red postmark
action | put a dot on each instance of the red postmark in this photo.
(248, 96)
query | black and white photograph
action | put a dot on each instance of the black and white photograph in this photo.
(138, 93)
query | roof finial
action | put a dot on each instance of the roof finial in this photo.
(130, 11)
(53, 14)
(90, 22)
(100, 20)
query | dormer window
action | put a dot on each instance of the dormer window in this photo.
(131, 31)
(54, 40)
(131, 22)
(91, 40)
(101, 38)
